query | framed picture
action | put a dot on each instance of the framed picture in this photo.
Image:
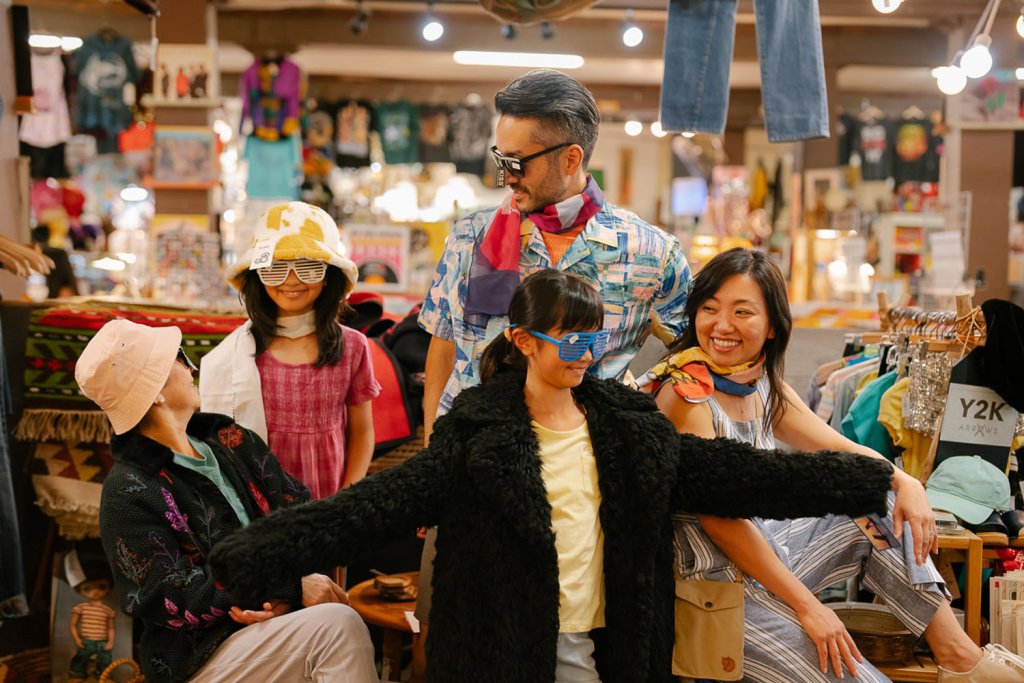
(818, 182)
(992, 99)
(185, 155)
(381, 252)
(182, 74)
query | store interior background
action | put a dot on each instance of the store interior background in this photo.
(871, 59)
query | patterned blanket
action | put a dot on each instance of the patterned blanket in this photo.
(72, 455)
(54, 407)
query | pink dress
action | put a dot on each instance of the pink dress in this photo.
(307, 411)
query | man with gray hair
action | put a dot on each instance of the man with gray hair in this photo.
(554, 217)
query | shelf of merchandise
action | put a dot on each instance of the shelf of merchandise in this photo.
(888, 226)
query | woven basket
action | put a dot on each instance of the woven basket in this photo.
(880, 636)
(29, 662)
(137, 676)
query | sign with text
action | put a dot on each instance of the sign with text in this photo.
(976, 420)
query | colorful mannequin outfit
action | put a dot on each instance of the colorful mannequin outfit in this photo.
(270, 97)
(496, 603)
(820, 552)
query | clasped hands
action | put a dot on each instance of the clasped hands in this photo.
(317, 589)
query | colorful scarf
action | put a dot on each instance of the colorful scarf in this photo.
(695, 377)
(494, 273)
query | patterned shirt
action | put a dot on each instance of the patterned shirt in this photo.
(639, 267)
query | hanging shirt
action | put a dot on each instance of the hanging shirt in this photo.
(352, 131)
(51, 123)
(434, 134)
(913, 161)
(861, 423)
(103, 66)
(398, 125)
(270, 92)
(274, 168)
(873, 145)
(469, 138)
(846, 130)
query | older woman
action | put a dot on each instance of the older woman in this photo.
(723, 377)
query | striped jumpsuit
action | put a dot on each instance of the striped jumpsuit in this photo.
(821, 552)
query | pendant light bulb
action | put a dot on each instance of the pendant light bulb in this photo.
(634, 127)
(950, 79)
(886, 6)
(632, 35)
(1020, 24)
(977, 61)
(433, 30)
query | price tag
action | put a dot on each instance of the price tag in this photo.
(263, 254)
(978, 415)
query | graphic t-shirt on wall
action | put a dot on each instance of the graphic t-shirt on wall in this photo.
(274, 168)
(469, 137)
(873, 144)
(916, 157)
(399, 128)
(51, 123)
(103, 66)
(846, 129)
(352, 131)
(434, 134)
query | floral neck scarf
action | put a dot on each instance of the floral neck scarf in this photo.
(695, 377)
(494, 273)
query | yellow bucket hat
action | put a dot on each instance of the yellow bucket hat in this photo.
(292, 231)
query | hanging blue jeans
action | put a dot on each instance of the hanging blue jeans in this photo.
(12, 579)
(698, 53)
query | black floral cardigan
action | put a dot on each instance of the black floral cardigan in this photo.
(158, 522)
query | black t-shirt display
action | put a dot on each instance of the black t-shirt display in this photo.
(874, 146)
(916, 155)
(469, 136)
(434, 134)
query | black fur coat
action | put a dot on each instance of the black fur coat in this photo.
(495, 607)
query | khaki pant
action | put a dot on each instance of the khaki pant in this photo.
(325, 643)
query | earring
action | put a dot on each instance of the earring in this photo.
(159, 400)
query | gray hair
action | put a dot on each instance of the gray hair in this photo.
(564, 104)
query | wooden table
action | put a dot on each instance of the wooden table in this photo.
(969, 546)
(390, 617)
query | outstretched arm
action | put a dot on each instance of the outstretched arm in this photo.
(731, 479)
(290, 543)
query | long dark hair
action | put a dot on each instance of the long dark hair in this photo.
(329, 310)
(762, 270)
(544, 300)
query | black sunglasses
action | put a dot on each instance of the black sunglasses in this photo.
(186, 361)
(517, 166)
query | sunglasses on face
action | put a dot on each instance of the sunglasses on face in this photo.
(186, 361)
(574, 345)
(307, 270)
(517, 165)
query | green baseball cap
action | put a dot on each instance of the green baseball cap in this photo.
(969, 487)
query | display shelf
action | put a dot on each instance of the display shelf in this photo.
(204, 103)
(904, 234)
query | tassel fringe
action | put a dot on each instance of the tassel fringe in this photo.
(76, 426)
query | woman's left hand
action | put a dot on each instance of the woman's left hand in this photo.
(912, 506)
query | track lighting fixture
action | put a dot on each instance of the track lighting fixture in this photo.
(361, 21)
(433, 29)
(632, 35)
(547, 31)
(508, 31)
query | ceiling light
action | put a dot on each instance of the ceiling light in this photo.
(886, 6)
(508, 31)
(535, 60)
(70, 43)
(634, 127)
(951, 79)
(432, 29)
(361, 21)
(43, 41)
(657, 131)
(688, 134)
(547, 31)
(977, 61)
(632, 35)
(1019, 73)
(1020, 24)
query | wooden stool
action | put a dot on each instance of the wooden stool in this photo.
(389, 616)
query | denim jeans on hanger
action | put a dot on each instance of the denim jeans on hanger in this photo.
(698, 53)
(13, 602)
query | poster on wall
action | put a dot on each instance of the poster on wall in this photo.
(992, 99)
(185, 155)
(182, 73)
(426, 245)
(381, 252)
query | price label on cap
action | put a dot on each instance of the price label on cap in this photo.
(262, 254)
